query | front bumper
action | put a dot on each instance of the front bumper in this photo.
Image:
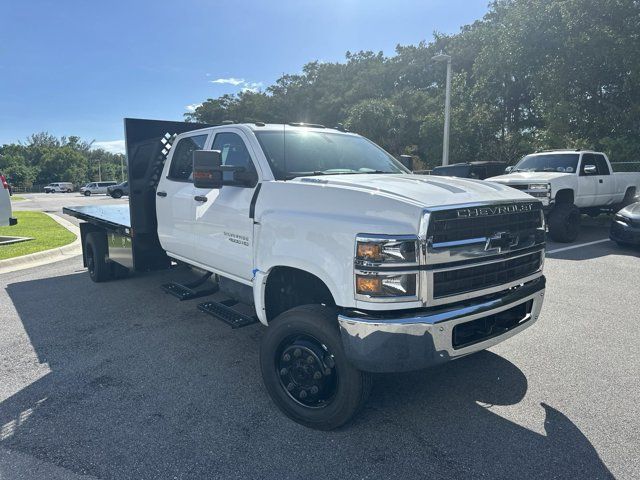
(418, 339)
(624, 233)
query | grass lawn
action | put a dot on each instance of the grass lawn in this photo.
(16, 198)
(46, 234)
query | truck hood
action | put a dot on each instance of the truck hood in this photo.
(528, 177)
(419, 190)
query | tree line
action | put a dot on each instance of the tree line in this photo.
(44, 158)
(530, 75)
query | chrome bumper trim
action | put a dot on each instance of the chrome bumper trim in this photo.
(424, 338)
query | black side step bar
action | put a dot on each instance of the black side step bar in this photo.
(230, 312)
(187, 291)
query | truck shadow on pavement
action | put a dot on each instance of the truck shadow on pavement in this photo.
(143, 386)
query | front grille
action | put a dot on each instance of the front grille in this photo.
(462, 280)
(467, 223)
(519, 187)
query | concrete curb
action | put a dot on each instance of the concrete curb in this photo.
(47, 256)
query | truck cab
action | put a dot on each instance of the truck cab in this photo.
(571, 182)
(353, 264)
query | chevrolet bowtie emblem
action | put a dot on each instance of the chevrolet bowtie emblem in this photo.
(501, 241)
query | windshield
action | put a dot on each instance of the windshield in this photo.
(298, 153)
(552, 162)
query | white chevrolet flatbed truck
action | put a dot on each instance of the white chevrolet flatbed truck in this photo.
(571, 182)
(353, 264)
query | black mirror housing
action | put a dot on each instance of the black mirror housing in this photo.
(407, 161)
(207, 171)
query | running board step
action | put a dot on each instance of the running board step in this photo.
(230, 312)
(185, 292)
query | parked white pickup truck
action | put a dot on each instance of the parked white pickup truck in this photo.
(5, 204)
(571, 182)
(354, 264)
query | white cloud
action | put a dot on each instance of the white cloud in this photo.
(192, 108)
(245, 85)
(252, 86)
(229, 81)
(111, 146)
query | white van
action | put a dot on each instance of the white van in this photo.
(96, 187)
(5, 204)
(64, 187)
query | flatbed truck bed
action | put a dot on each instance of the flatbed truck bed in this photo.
(131, 229)
(108, 216)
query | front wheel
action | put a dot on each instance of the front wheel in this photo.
(116, 194)
(87, 193)
(306, 372)
(564, 223)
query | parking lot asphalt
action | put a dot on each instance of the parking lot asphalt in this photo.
(120, 380)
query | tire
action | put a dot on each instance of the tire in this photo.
(87, 193)
(95, 255)
(330, 400)
(116, 194)
(69, 190)
(564, 223)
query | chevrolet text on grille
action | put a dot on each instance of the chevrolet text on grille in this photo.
(493, 210)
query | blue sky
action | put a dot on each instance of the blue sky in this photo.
(79, 67)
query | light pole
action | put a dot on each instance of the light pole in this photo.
(441, 57)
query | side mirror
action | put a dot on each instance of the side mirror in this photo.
(407, 161)
(207, 171)
(508, 169)
(590, 170)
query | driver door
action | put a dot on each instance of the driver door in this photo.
(223, 229)
(587, 183)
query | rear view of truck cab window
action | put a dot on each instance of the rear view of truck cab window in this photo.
(182, 161)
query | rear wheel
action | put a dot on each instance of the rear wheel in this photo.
(564, 223)
(306, 372)
(95, 253)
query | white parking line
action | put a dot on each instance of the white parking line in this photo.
(556, 250)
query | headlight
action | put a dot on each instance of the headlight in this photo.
(386, 268)
(622, 219)
(539, 186)
(381, 250)
(386, 285)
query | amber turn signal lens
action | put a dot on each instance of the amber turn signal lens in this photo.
(369, 251)
(368, 285)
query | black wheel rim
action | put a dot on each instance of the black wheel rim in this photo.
(307, 371)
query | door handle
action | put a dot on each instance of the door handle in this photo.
(200, 198)
(161, 194)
